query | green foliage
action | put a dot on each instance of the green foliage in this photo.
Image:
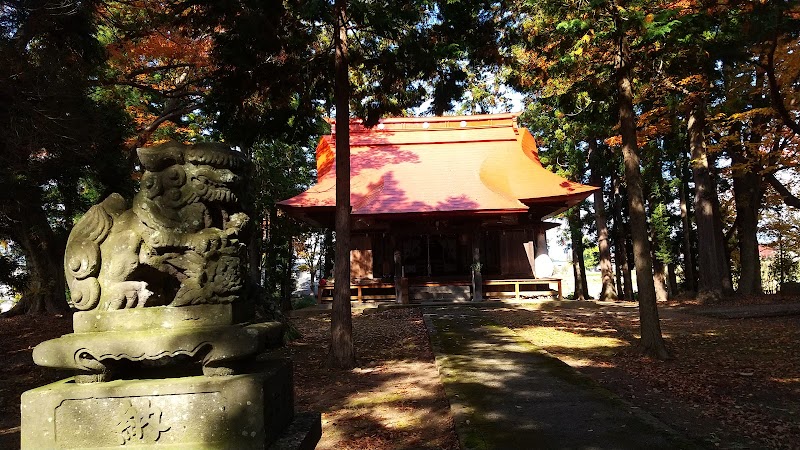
(282, 169)
(303, 302)
(785, 267)
(60, 145)
(591, 254)
(660, 222)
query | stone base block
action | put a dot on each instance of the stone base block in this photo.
(304, 433)
(98, 353)
(227, 412)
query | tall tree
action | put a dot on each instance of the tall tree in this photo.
(608, 291)
(342, 353)
(578, 263)
(621, 239)
(566, 45)
(652, 341)
(59, 143)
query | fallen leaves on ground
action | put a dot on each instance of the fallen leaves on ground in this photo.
(392, 400)
(19, 335)
(732, 382)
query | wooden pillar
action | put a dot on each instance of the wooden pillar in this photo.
(428, 253)
(477, 277)
(398, 277)
(541, 241)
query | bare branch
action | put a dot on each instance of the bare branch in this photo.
(775, 90)
(788, 198)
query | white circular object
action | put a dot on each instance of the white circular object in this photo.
(544, 266)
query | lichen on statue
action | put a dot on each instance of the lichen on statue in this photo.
(180, 242)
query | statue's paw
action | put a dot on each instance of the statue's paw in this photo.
(85, 294)
(127, 294)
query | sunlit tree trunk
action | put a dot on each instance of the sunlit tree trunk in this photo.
(607, 292)
(578, 265)
(711, 255)
(659, 268)
(652, 342)
(688, 256)
(342, 352)
(621, 242)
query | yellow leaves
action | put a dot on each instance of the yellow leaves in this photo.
(693, 80)
(614, 141)
(748, 115)
(649, 18)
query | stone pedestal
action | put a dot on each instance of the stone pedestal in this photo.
(167, 350)
(247, 411)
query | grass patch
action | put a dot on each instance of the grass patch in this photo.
(303, 302)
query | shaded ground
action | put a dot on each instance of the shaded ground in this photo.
(734, 383)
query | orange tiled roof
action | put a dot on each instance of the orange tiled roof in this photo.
(475, 164)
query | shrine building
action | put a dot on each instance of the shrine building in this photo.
(437, 201)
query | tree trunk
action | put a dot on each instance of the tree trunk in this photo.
(659, 268)
(45, 291)
(621, 242)
(710, 253)
(329, 253)
(287, 281)
(270, 251)
(578, 265)
(727, 281)
(652, 342)
(618, 274)
(747, 193)
(477, 275)
(688, 257)
(660, 280)
(672, 277)
(608, 292)
(342, 352)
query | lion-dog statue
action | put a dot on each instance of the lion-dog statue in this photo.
(178, 244)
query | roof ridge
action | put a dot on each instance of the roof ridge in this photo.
(478, 121)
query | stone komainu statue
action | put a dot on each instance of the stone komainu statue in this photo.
(167, 351)
(178, 245)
